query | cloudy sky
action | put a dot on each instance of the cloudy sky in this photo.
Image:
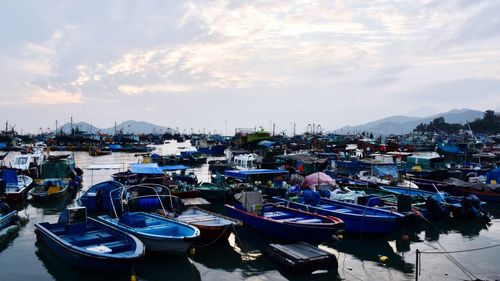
(197, 64)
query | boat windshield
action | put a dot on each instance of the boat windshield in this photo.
(21, 160)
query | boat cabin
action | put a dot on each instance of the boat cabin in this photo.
(425, 162)
(277, 177)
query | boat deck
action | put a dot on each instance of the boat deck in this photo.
(290, 217)
(94, 239)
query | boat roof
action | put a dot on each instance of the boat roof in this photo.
(425, 155)
(245, 173)
(174, 167)
(149, 168)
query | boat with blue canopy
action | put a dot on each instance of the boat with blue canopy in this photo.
(86, 242)
(98, 197)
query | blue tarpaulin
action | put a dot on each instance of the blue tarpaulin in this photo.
(494, 175)
(449, 149)
(266, 143)
(173, 168)
(9, 176)
(148, 169)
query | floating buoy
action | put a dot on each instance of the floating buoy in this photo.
(133, 277)
(383, 259)
(192, 251)
(405, 237)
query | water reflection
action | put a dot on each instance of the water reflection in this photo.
(371, 248)
(164, 267)
(54, 207)
(467, 229)
(219, 256)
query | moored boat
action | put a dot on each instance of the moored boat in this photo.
(357, 218)
(213, 227)
(16, 186)
(50, 189)
(88, 243)
(159, 234)
(213, 193)
(436, 205)
(100, 197)
(282, 222)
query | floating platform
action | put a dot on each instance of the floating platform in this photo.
(302, 257)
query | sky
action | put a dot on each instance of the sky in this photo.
(224, 64)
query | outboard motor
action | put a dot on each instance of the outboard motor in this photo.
(435, 208)
(310, 197)
(471, 205)
(404, 203)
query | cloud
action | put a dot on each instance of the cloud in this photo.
(379, 53)
(51, 96)
(135, 90)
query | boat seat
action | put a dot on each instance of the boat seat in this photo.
(326, 206)
(310, 221)
(274, 214)
(196, 218)
(343, 211)
(294, 219)
(105, 236)
(160, 226)
(58, 230)
(85, 240)
(117, 246)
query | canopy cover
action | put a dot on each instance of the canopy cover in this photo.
(318, 178)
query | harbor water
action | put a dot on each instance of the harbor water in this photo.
(360, 257)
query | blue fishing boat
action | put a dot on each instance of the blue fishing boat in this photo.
(159, 234)
(440, 205)
(89, 243)
(100, 197)
(16, 186)
(282, 222)
(357, 218)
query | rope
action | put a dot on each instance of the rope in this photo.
(461, 251)
(467, 272)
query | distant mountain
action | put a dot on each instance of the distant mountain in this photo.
(82, 126)
(130, 126)
(405, 124)
(137, 127)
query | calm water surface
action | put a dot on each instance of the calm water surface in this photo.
(22, 258)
